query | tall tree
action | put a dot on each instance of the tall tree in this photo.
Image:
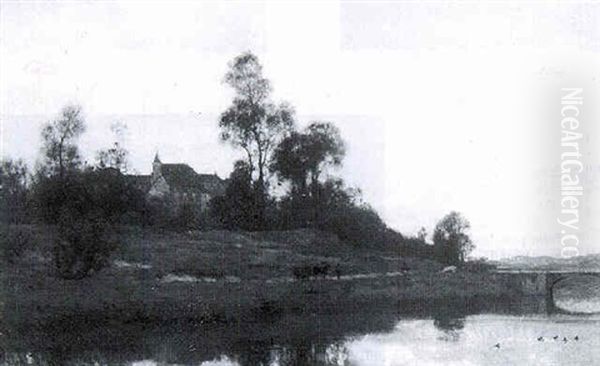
(116, 156)
(60, 141)
(451, 240)
(253, 122)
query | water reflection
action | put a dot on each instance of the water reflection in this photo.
(450, 327)
(412, 333)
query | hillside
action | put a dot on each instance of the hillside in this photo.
(220, 275)
(224, 255)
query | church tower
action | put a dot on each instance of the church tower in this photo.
(158, 184)
(156, 164)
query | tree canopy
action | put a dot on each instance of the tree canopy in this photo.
(451, 238)
(302, 156)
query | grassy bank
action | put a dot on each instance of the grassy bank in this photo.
(231, 276)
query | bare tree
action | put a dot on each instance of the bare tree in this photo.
(116, 156)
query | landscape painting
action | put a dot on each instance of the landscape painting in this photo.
(291, 183)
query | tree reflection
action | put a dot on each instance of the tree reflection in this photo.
(450, 325)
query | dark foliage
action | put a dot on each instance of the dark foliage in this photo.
(160, 213)
(239, 208)
(359, 225)
(13, 191)
(14, 240)
(451, 239)
(85, 205)
(187, 216)
(335, 209)
(83, 245)
(340, 211)
(105, 192)
(410, 247)
(301, 157)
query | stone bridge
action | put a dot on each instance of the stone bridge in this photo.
(541, 283)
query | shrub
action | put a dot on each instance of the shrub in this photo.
(355, 224)
(83, 245)
(14, 240)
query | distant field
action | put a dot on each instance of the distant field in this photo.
(218, 276)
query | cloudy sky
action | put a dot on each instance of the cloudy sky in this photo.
(444, 106)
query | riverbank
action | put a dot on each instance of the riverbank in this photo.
(220, 277)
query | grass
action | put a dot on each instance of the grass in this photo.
(32, 294)
(126, 313)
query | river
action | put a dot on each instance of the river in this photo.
(431, 333)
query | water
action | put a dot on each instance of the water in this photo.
(448, 332)
(473, 342)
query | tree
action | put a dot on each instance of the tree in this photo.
(13, 190)
(253, 122)
(303, 156)
(451, 239)
(60, 141)
(422, 234)
(237, 208)
(116, 156)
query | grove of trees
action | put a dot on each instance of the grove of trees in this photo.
(285, 181)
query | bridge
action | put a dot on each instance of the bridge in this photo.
(541, 283)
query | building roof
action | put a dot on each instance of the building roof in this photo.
(182, 178)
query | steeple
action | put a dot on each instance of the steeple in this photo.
(156, 164)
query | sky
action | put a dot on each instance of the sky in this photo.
(443, 106)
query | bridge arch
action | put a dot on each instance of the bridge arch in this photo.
(553, 279)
